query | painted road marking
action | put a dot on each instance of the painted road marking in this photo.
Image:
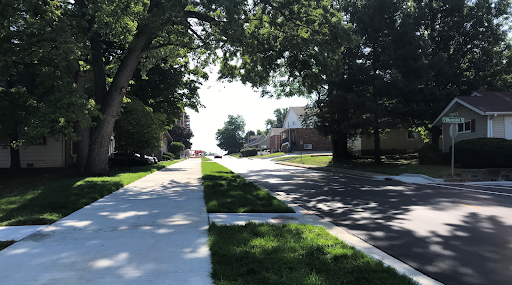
(471, 206)
(474, 190)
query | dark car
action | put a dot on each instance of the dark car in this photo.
(217, 155)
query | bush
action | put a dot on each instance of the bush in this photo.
(176, 148)
(431, 154)
(249, 152)
(484, 153)
(168, 156)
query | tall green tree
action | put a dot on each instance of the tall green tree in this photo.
(139, 129)
(37, 93)
(278, 121)
(182, 135)
(231, 137)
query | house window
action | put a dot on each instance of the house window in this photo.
(412, 135)
(466, 127)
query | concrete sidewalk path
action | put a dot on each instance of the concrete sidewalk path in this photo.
(153, 231)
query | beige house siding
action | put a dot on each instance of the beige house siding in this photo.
(498, 127)
(467, 114)
(393, 140)
(50, 155)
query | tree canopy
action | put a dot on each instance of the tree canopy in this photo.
(182, 135)
(278, 121)
(231, 137)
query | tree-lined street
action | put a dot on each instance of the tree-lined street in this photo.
(455, 233)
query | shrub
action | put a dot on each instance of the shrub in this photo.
(169, 156)
(175, 148)
(484, 153)
(431, 154)
(249, 152)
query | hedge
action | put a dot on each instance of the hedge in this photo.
(484, 153)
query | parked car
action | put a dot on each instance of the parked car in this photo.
(124, 159)
(217, 155)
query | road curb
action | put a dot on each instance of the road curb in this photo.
(344, 235)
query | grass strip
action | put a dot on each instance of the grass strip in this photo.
(44, 199)
(388, 166)
(205, 159)
(291, 254)
(4, 244)
(227, 192)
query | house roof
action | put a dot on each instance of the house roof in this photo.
(276, 131)
(298, 110)
(260, 139)
(490, 101)
(483, 103)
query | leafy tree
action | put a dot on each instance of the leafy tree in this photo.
(248, 134)
(278, 121)
(182, 135)
(37, 97)
(139, 130)
(168, 89)
(176, 148)
(231, 137)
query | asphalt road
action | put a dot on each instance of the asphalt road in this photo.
(456, 234)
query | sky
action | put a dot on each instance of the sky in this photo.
(222, 99)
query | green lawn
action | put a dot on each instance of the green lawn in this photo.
(291, 254)
(43, 197)
(389, 166)
(205, 159)
(227, 192)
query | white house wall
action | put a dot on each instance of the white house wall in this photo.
(49, 155)
(292, 121)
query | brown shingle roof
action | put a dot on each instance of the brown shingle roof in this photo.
(298, 110)
(490, 101)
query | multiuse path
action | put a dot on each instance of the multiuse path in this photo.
(153, 231)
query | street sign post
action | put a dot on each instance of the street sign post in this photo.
(453, 131)
(301, 147)
(453, 134)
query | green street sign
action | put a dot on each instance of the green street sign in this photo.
(453, 120)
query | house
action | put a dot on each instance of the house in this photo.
(296, 136)
(394, 141)
(166, 139)
(261, 141)
(50, 152)
(275, 139)
(487, 114)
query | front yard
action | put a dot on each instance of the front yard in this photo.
(44, 196)
(388, 166)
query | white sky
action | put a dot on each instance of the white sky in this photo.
(222, 99)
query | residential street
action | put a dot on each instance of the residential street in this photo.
(455, 233)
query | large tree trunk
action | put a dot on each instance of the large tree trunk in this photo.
(340, 147)
(97, 158)
(84, 136)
